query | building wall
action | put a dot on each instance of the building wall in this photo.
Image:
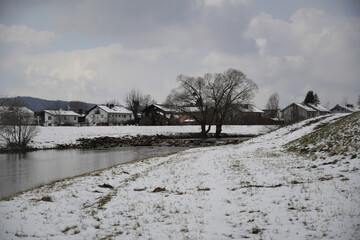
(118, 118)
(98, 116)
(69, 120)
(294, 113)
(51, 120)
(48, 119)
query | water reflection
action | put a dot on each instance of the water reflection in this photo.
(19, 172)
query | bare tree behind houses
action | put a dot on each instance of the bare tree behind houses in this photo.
(273, 105)
(16, 124)
(228, 90)
(135, 99)
(78, 106)
(112, 102)
(193, 92)
(57, 108)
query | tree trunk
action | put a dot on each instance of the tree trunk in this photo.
(218, 130)
(203, 130)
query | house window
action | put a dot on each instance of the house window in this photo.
(102, 115)
(74, 118)
(49, 118)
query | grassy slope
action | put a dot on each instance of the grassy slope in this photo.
(340, 138)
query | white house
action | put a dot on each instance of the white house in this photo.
(108, 115)
(60, 117)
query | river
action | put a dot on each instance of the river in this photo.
(19, 172)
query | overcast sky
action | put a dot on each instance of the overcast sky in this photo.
(95, 51)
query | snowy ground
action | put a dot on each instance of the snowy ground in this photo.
(48, 137)
(253, 190)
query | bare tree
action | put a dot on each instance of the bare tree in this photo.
(135, 99)
(192, 98)
(213, 95)
(273, 105)
(345, 101)
(57, 108)
(16, 125)
(78, 106)
(227, 90)
(113, 102)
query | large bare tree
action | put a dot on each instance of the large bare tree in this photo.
(228, 90)
(191, 97)
(213, 95)
(16, 124)
(135, 99)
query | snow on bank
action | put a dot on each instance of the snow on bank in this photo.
(48, 137)
(252, 190)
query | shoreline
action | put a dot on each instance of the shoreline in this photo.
(160, 140)
(78, 176)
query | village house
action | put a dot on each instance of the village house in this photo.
(339, 108)
(187, 118)
(245, 114)
(159, 114)
(320, 110)
(108, 115)
(60, 118)
(299, 111)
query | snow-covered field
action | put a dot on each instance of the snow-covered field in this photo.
(48, 137)
(255, 190)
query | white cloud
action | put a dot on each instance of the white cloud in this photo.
(312, 50)
(219, 3)
(261, 44)
(99, 74)
(315, 49)
(21, 34)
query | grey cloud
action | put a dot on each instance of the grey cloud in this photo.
(157, 23)
(154, 41)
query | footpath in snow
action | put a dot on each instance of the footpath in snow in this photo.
(255, 190)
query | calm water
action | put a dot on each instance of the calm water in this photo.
(19, 172)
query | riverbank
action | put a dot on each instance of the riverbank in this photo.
(78, 137)
(19, 172)
(175, 140)
(265, 187)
